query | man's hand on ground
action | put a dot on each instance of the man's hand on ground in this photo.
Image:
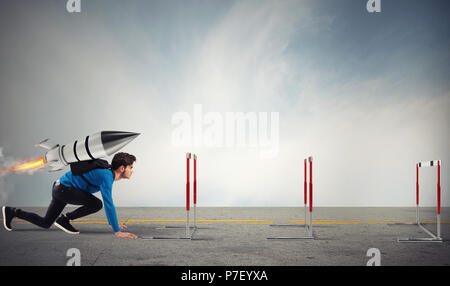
(125, 235)
(122, 226)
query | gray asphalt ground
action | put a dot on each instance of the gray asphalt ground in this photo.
(231, 237)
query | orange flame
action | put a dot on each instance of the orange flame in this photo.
(33, 164)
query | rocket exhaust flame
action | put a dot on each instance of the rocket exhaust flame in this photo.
(33, 164)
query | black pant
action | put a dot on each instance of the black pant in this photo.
(61, 196)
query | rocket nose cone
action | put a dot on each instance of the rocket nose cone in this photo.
(113, 141)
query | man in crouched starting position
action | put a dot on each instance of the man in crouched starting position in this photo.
(78, 190)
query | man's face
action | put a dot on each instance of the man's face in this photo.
(127, 172)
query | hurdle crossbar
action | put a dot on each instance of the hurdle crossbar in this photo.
(432, 237)
(189, 234)
(308, 226)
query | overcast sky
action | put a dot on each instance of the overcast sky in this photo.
(366, 94)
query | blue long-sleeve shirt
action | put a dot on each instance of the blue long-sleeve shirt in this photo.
(104, 178)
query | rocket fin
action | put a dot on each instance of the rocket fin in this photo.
(46, 144)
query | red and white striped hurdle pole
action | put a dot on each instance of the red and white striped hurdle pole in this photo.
(305, 186)
(188, 183)
(195, 191)
(310, 195)
(439, 199)
(417, 194)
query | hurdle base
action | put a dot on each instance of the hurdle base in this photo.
(403, 223)
(432, 238)
(164, 237)
(180, 227)
(299, 225)
(289, 225)
(292, 237)
(175, 227)
(416, 239)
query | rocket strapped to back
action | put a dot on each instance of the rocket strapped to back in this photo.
(94, 146)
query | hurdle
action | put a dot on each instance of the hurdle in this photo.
(189, 234)
(432, 237)
(306, 225)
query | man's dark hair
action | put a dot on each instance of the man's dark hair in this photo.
(122, 159)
